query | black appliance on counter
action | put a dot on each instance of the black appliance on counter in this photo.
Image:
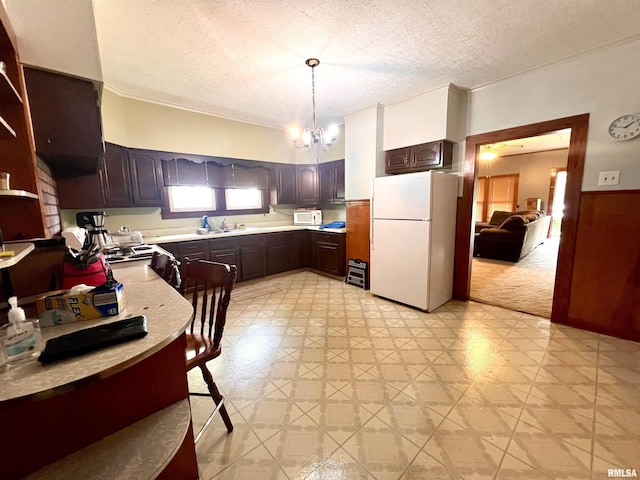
(93, 222)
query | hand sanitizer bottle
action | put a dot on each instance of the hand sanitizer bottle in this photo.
(21, 338)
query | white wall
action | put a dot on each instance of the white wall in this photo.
(534, 171)
(363, 151)
(59, 36)
(603, 84)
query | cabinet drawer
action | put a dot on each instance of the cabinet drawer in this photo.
(252, 240)
(328, 237)
(197, 249)
(279, 238)
(223, 243)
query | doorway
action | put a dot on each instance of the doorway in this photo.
(575, 167)
(517, 174)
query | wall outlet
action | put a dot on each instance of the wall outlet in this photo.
(609, 178)
(272, 210)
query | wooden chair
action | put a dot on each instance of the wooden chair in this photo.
(167, 267)
(212, 284)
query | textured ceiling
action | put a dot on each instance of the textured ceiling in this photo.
(244, 59)
(551, 141)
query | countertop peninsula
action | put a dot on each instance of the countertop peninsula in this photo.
(145, 293)
(98, 416)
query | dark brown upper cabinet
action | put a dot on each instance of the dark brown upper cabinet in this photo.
(67, 126)
(115, 177)
(127, 178)
(331, 182)
(282, 181)
(307, 184)
(146, 178)
(417, 158)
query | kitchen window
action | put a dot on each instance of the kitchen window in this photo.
(191, 199)
(243, 198)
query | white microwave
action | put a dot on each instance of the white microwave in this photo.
(307, 217)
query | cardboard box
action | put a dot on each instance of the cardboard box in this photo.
(59, 307)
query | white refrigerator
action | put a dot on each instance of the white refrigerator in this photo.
(413, 223)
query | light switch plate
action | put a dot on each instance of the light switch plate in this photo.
(609, 178)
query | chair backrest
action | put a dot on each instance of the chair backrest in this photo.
(167, 267)
(212, 283)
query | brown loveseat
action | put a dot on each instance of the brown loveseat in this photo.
(511, 235)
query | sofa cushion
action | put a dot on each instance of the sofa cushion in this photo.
(514, 222)
(499, 216)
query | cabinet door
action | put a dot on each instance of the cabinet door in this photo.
(326, 183)
(397, 161)
(328, 253)
(426, 155)
(279, 249)
(230, 257)
(114, 177)
(307, 180)
(252, 257)
(286, 184)
(301, 249)
(146, 178)
(66, 121)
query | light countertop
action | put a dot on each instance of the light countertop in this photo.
(183, 237)
(168, 315)
(20, 250)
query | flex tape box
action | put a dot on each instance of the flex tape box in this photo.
(60, 307)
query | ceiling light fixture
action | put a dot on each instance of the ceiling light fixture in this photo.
(487, 153)
(313, 135)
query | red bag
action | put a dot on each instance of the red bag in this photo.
(93, 274)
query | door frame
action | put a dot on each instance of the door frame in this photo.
(579, 125)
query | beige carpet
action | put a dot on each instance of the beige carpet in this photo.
(253, 290)
(525, 286)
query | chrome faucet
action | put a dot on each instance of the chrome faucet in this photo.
(223, 224)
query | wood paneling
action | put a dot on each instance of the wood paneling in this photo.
(605, 292)
(358, 229)
(579, 126)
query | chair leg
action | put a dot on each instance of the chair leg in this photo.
(217, 397)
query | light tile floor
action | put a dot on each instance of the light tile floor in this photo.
(325, 381)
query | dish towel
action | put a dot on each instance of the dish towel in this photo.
(337, 224)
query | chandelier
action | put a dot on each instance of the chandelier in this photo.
(313, 135)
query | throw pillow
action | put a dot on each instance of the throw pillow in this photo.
(514, 222)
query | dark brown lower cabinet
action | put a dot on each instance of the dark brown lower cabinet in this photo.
(252, 256)
(300, 248)
(259, 255)
(226, 250)
(328, 252)
(279, 250)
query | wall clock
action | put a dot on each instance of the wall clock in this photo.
(625, 127)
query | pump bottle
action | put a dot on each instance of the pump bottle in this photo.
(21, 338)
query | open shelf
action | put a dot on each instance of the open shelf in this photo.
(8, 93)
(17, 193)
(6, 132)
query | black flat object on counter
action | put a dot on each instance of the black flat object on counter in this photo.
(94, 338)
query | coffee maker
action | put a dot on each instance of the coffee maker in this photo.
(93, 222)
